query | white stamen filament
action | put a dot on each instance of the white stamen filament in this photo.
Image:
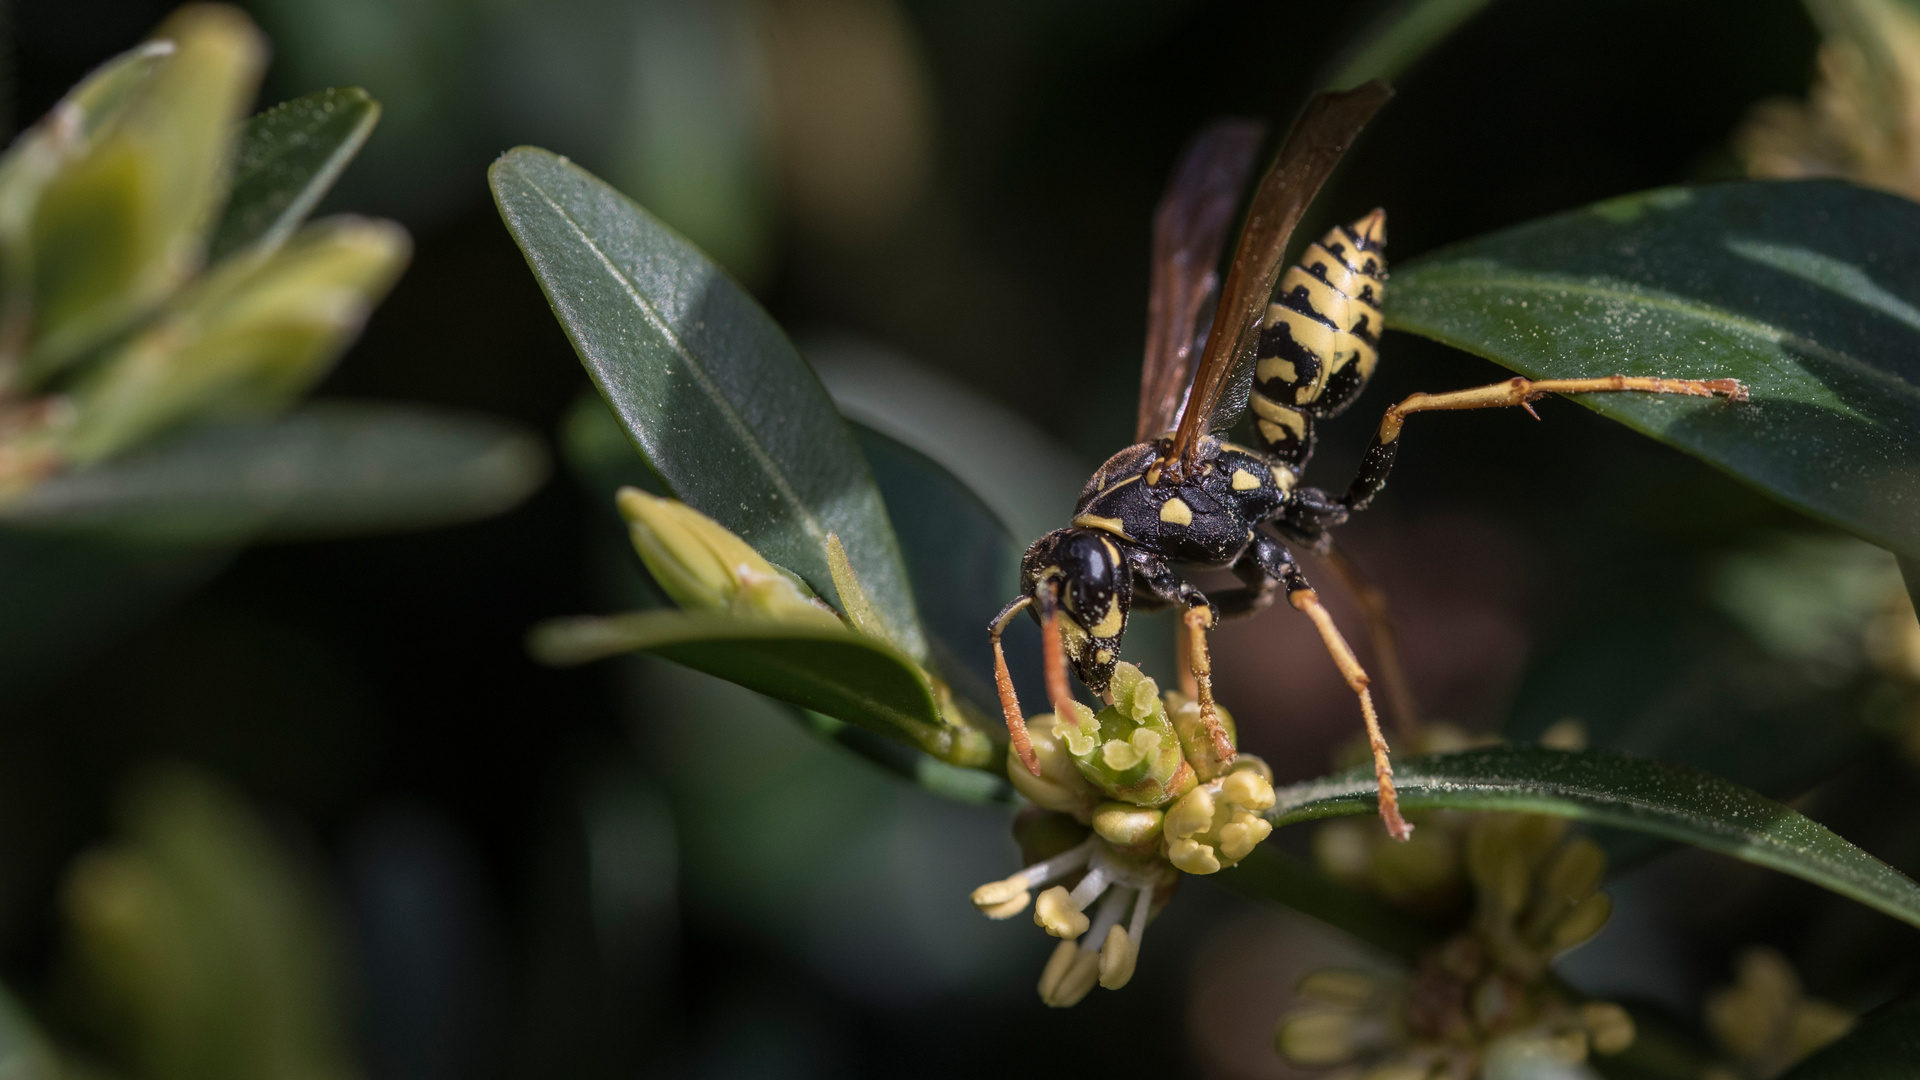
(1060, 865)
(1141, 909)
(1111, 908)
(1090, 887)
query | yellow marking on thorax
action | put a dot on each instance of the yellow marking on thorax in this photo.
(1104, 524)
(1244, 480)
(1175, 511)
(1283, 478)
(1118, 484)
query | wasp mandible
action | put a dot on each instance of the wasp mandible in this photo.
(1296, 348)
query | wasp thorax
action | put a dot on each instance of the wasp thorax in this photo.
(1082, 572)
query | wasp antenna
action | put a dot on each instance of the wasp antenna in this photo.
(1009, 700)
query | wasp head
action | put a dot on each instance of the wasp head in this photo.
(1080, 574)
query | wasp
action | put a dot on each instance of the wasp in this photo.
(1296, 349)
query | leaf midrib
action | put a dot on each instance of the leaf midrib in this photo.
(760, 455)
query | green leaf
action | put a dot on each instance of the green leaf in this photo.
(846, 676)
(289, 156)
(705, 383)
(1808, 292)
(1397, 38)
(963, 563)
(329, 468)
(1670, 801)
(1885, 1046)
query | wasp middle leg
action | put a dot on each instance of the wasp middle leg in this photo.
(1274, 563)
(1378, 460)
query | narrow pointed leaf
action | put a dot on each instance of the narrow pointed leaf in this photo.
(707, 386)
(289, 156)
(1808, 292)
(1670, 801)
(1885, 1046)
(841, 674)
(1397, 38)
(326, 469)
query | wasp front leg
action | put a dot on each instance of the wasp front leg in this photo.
(1167, 587)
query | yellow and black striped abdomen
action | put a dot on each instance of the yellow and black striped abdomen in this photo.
(1320, 339)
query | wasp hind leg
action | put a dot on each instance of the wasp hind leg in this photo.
(1275, 566)
(1378, 460)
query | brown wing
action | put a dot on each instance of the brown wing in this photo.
(1189, 232)
(1325, 129)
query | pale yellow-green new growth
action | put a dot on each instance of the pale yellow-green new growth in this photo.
(703, 567)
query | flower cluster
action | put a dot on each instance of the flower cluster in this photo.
(1127, 801)
(1764, 1023)
(1483, 999)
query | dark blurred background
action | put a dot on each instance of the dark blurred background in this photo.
(562, 873)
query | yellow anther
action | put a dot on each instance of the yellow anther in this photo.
(1117, 956)
(1584, 921)
(1009, 909)
(1239, 837)
(995, 893)
(1070, 974)
(1249, 789)
(1317, 1038)
(1574, 872)
(1337, 986)
(1609, 1027)
(1054, 912)
(1192, 814)
(1192, 857)
(1057, 967)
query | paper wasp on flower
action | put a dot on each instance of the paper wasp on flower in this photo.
(1298, 348)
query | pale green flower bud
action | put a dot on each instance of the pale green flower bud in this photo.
(1129, 750)
(1609, 1027)
(1217, 823)
(1127, 826)
(1059, 787)
(702, 566)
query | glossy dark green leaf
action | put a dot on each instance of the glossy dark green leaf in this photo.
(1885, 1046)
(1669, 801)
(328, 468)
(289, 156)
(838, 673)
(704, 381)
(963, 563)
(1397, 38)
(1809, 292)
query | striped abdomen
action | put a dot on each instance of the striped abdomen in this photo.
(1320, 339)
